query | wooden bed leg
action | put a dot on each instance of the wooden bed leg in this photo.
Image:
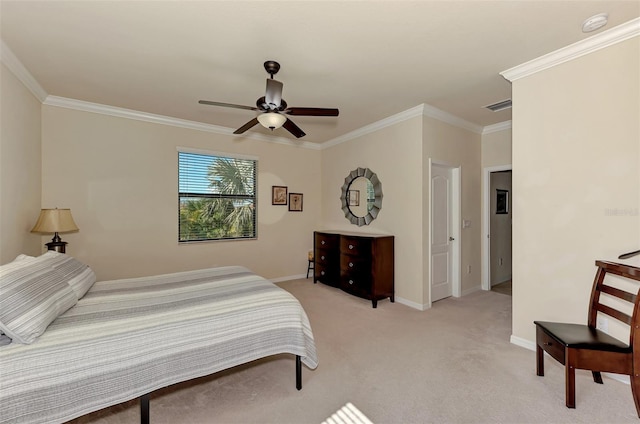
(144, 409)
(298, 372)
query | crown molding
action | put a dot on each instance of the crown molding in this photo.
(163, 120)
(588, 45)
(447, 117)
(500, 126)
(378, 125)
(420, 110)
(17, 68)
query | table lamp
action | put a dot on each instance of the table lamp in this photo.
(55, 221)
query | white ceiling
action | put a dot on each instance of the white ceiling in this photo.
(370, 59)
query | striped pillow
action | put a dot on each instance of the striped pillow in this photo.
(31, 297)
(78, 275)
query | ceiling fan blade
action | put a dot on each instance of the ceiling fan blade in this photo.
(293, 128)
(274, 94)
(246, 126)
(311, 111)
(207, 102)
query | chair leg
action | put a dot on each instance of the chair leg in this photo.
(597, 377)
(570, 382)
(539, 361)
(635, 391)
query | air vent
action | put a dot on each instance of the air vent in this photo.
(505, 104)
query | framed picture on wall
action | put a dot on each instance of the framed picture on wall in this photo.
(295, 202)
(278, 195)
(502, 201)
(354, 197)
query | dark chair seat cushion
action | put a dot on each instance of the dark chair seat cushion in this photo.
(580, 336)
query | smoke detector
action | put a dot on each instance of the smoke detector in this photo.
(595, 22)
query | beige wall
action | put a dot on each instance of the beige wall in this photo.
(394, 154)
(496, 148)
(19, 168)
(119, 177)
(444, 143)
(399, 154)
(576, 162)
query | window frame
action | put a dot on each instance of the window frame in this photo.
(210, 195)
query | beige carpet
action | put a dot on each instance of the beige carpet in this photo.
(504, 288)
(450, 364)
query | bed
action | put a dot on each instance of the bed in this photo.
(123, 339)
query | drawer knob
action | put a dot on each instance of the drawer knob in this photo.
(547, 343)
(322, 242)
(351, 246)
(350, 281)
(321, 272)
(322, 257)
(350, 264)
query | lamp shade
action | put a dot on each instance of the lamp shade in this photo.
(272, 120)
(55, 221)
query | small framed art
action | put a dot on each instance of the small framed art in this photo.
(278, 195)
(295, 202)
(502, 201)
(354, 197)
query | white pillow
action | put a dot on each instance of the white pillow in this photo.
(22, 257)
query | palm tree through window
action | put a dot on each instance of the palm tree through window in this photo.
(217, 197)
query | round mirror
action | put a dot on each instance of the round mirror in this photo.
(361, 196)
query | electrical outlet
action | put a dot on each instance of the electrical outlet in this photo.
(602, 324)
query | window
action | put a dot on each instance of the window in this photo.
(217, 196)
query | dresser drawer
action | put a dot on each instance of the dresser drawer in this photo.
(356, 246)
(355, 264)
(326, 275)
(327, 241)
(355, 284)
(326, 257)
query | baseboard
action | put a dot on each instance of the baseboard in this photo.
(471, 290)
(528, 344)
(519, 341)
(411, 304)
(290, 277)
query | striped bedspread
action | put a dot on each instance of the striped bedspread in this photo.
(126, 338)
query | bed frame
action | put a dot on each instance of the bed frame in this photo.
(144, 399)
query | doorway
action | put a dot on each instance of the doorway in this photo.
(444, 223)
(498, 201)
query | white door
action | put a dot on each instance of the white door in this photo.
(441, 239)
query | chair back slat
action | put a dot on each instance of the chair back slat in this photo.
(599, 287)
(620, 294)
(620, 316)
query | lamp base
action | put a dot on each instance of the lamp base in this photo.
(58, 246)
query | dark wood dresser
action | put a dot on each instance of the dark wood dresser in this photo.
(358, 263)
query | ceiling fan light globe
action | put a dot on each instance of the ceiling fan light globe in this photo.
(272, 120)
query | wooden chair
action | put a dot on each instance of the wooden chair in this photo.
(311, 264)
(578, 346)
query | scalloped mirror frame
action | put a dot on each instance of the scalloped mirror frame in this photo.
(377, 203)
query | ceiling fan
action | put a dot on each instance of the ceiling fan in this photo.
(273, 108)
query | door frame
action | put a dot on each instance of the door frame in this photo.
(456, 223)
(486, 226)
